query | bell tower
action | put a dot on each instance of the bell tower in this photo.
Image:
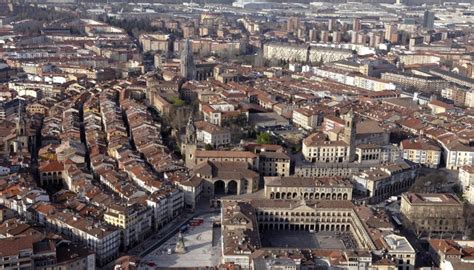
(350, 134)
(188, 68)
(21, 142)
(190, 143)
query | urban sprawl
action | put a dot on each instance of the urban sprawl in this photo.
(248, 134)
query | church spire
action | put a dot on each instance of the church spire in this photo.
(188, 69)
(190, 130)
(350, 134)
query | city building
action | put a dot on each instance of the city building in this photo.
(380, 183)
(166, 204)
(307, 118)
(401, 251)
(430, 84)
(51, 173)
(34, 252)
(456, 154)
(134, 221)
(438, 107)
(457, 95)
(421, 152)
(451, 254)
(103, 241)
(156, 42)
(356, 25)
(226, 177)
(193, 190)
(428, 19)
(274, 163)
(466, 178)
(440, 213)
(307, 188)
(317, 148)
(202, 156)
(213, 135)
(251, 220)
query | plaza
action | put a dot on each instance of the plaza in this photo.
(202, 248)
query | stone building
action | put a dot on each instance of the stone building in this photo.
(5, 72)
(422, 83)
(213, 135)
(312, 215)
(421, 152)
(401, 251)
(240, 234)
(274, 163)
(227, 178)
(318, 54)
(369, 153)
(51, 173)
(197, 157)
(433, 212)
(308, 188)
(452, 254)
(317, 148)
(304, 53)
(286, 52)
(245, 225)
(134, 221)
(380, 183)
(321, 169)
(188, 68)
(156, 42)
(307, 118)
(466, 178)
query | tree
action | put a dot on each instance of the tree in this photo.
(264, 138)
(239, 121)
(208, 147)
(177, 101)
(296, 148)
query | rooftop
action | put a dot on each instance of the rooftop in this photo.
(398, 243)
(294, 181)
(431, 198)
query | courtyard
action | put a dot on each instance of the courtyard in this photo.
(308, 240)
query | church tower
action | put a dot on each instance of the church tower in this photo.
(350, 134)
(190, 143)
(188, 69)
(21, 143)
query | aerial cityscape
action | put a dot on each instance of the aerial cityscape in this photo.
(237, 134)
